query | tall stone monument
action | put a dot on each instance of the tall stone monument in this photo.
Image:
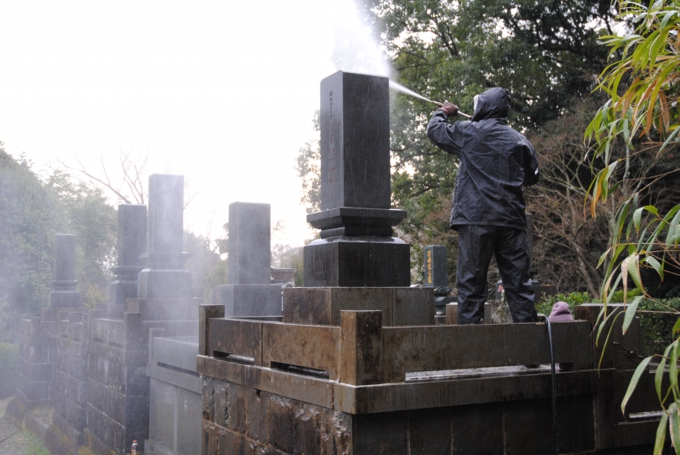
(249, 292)
(64, 293)
(131, 244)
(165, 276)
(356, 246)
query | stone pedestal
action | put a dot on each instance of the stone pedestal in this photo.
(403, 306)
(357, 261)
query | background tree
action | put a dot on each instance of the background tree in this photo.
(28, 221)
(544, 53)
(94, 222)
(308, 166)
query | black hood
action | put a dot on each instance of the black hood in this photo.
(494, 103)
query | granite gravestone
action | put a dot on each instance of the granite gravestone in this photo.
(131, 244)
(64, 293)
(356, 246)
(164, 276)
(249, 292)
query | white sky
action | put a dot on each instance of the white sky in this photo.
(222, 92)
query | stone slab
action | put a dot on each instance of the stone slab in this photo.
(356, 221)
(242, 300)
(175, 353)
(407, 395)
(165, 309)
(309, 346)
(160, 284)
(400, 306)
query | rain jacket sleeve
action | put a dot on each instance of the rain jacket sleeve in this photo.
(443, 135)
(530, 166)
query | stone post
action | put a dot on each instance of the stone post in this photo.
(164, 276)
(356, 246)
(64, 293)
(361, 347)
(249, 292)
(130, 246)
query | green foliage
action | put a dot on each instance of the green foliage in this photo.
(29, 218)
(35, 447)
(642, 86)
(309, 170)
(572, 299)
(208, 269)
(9, 355)
(657, 319)
(31, 213)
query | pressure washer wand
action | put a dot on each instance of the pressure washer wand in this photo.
(438, 104)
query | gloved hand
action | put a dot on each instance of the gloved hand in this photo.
(450, 109)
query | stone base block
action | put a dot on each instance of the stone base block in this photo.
(452, 313)
(400, 306)
(357, 261)
(65, 299)
(119, 292)
(250, 299)
(165, 309)
(158, 284)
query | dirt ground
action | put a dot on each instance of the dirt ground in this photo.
(14, 441)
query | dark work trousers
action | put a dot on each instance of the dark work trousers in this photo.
(476, 244)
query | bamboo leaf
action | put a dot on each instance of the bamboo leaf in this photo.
(668, 140)
(606, 341)
(630, 312)
(637, 218)
(674, 426)
(634, 271)
(656, 265)
(676, 328)
(633, 382)
(660, 439)
(658, 376)
(673, 366)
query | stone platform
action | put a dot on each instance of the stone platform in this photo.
(362, 387)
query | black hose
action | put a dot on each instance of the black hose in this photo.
(554, 384)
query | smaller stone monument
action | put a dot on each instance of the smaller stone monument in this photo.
(435, 276)
(249, 292)
(64, 293)
(165, 276)
(131, 244)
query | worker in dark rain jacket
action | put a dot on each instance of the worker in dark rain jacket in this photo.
(496, 162)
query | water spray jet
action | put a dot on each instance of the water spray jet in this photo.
(400, 88)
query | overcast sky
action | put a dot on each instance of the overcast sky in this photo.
(222, 92)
